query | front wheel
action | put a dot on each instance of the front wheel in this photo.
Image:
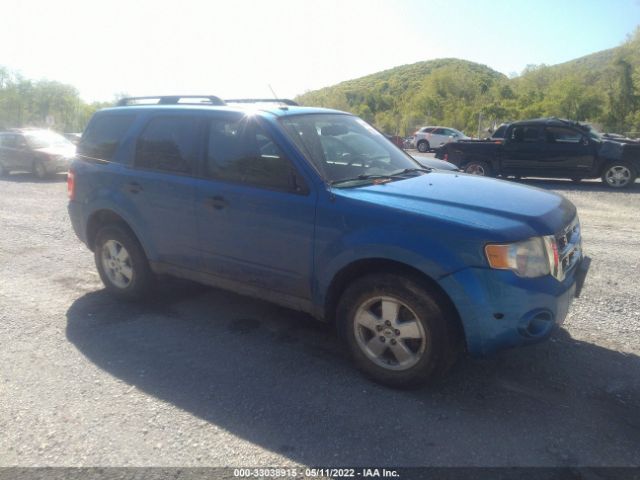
(122, 263)
(423, 146)
(477, 168)
(619, 175)
(396, 330)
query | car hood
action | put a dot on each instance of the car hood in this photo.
(500, 209)
(66, 151)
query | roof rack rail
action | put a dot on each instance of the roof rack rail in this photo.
(171, 100)
(286, 101)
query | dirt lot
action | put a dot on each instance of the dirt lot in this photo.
(204, 377)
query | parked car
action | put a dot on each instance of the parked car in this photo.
(315, 210)
(550, 147)
(396, 140)
(42, 152)
(429, 138)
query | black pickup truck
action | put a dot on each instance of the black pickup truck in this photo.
(549, 147)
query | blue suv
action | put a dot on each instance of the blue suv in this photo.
(315, 210)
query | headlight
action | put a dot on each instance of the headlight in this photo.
(530, 258)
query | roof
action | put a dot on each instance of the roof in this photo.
(276, 110)
(276, 106)
(549, 121)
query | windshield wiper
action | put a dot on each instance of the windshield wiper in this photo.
(360, 177)
(389, 176)
(410, 170)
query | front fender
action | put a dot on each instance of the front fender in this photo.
(425, 254)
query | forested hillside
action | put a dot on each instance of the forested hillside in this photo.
(602, 88)
(25, 102)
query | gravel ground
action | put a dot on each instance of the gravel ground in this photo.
(200, 377)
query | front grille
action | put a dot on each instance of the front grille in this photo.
(569, 243)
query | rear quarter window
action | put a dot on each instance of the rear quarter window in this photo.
(102, 137)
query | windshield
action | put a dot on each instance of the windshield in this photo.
(46, 139)
(345, 147)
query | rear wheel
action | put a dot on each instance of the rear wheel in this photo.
(122, 263)
(475, 167)
(619, 175)
(423, 146)
(396, 330)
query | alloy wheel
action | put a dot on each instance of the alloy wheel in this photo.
(618, 176)
(475, 169)
(389, 333)
(117, 264)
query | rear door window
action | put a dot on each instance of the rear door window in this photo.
(562, 135)
(103, 136)
(169, 144)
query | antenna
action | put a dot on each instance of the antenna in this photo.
(275, 97)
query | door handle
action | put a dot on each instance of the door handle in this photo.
(134, 187)
(216, 202)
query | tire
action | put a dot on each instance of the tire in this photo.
(39, 170)
(476, 167)
(415, 345)
(619, 175)
(122, 263)
(423, 146)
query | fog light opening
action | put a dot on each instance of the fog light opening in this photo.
(536, 324)
(539, 324)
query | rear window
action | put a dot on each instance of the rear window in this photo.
(103, 136)
(499, 133)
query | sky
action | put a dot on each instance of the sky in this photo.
(239, 48)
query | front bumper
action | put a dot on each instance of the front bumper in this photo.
(499, 310)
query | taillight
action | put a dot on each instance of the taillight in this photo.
(446, 157)
(71, 185)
